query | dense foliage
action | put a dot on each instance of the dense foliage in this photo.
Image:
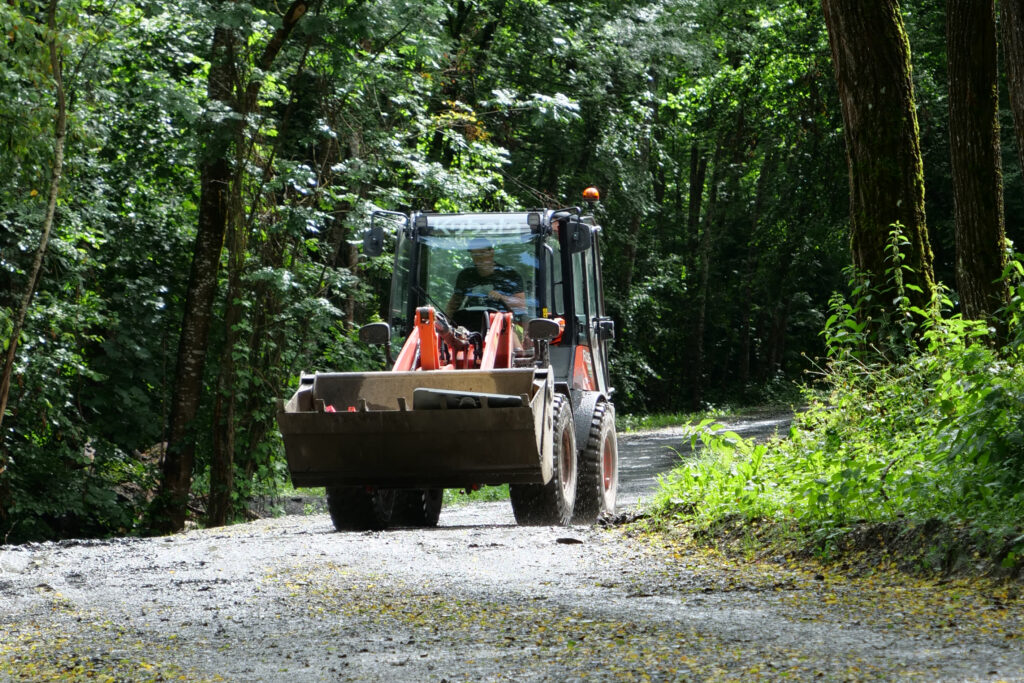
(935, 438)
(712, 129)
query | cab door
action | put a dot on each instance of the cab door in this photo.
(593, 329)
(602, 326)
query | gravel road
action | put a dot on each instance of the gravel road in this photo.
(478, 598)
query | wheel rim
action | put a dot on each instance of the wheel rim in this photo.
(566, 471)
(608, 458)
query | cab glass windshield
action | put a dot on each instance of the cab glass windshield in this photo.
(486, 255)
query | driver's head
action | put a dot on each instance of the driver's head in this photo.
(482, 251)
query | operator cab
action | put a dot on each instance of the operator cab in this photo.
(555, 256)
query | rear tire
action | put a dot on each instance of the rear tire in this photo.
(359, 508)
(551, 503)
(417, 507)
(599, 468)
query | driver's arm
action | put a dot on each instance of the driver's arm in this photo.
(513, 302)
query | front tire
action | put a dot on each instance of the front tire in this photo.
(599, 468)
(551, 503)
(360, 508)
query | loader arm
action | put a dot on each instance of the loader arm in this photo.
(433, 345)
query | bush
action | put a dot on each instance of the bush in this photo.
(918, 432)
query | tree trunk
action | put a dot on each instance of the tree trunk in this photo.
(974, 151)
(60, 134)
(698, 174)
(214, 202)
(768, 168)
(1012, 15)
(871, 58)
(214, 206)
(777, 338)
(629, 252)
(346, 255)
(232, 412)
(222, 461)
(267, 342)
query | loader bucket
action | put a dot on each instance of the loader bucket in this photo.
(423, 429)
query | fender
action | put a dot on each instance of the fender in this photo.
(584, 403)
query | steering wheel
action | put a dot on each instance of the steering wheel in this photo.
(476, 318)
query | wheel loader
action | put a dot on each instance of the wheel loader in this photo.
(490, 386)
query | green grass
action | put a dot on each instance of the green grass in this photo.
(287, 490)
(455, 497)
(636, 423)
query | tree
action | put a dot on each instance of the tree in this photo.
(60, 122)
(54, 51)
(871, 59)
(215, 198)
(975, 155)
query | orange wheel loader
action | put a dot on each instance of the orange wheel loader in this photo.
(491, 386)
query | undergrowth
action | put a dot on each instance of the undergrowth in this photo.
(918, 423)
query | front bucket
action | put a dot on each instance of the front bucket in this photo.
(426, 429)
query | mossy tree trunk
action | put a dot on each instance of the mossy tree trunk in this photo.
(871, 58)
(975, 156)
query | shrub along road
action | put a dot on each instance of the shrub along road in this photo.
(481, 599)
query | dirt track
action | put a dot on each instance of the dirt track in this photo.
(476, 599)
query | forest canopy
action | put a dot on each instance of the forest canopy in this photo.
(168, 160)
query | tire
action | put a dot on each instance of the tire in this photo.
(360, 508)
(551, 504)
(599, 468)
(417, 507)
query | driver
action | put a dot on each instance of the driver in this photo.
(487, 284)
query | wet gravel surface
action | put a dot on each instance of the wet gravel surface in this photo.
(478, 598)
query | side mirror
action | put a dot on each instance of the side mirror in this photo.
(542, 329)
(606, 329)
(373, 237)
(375, 334)
(580, 235)
(373, 240)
